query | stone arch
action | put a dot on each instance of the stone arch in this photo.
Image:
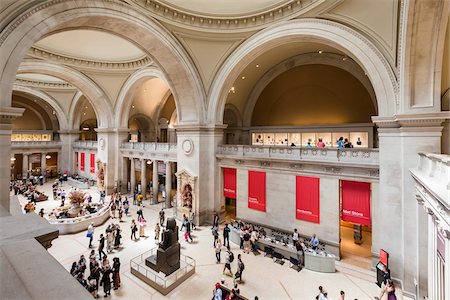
(90, 89)
(327, 32)
(117, 18)
(61, 116)
(330, 59)
(125, 98)
(162, 103)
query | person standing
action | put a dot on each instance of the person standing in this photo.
(388, 292)
(161, 217)
(101, 246)
(109, 240)
(133, 229)
(113, 209)
(226, 235)
(117, 237)
(106, 281)
(188, 230)
(218, 248)
(116, 272)
(253, 239)
(120, 213)
(41, 213)
(246, 242)
(140, 214)
(215, 234)
(217, 292)
(300, 253)
(215, 220)
(342, 295)
(314, 242)
(192, 219)
(295, 236)
(90, 234)
(157, 230)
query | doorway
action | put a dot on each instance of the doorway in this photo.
(355, 230)
(230, 209)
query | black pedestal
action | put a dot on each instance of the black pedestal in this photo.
(166, 261)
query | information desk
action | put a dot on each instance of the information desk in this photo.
(78, 184)
(313, 261)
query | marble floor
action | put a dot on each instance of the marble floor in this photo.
(261, 276)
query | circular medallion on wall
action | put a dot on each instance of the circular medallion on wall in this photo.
(102, 143)
(187, 146)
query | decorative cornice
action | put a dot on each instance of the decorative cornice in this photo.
(87, 63)
(412, 120)
(45, 84)
(287, 10)
(8, 114)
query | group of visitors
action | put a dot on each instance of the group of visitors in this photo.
(101, 273)
(119, 204)
(27, 189)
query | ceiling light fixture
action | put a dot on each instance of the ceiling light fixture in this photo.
(257, 65)
(84, 114)
(233, 90)
(48, 157)
(13, 158)
(133, 106)
(344, 58)
(243, 77)
(149, 162)
(85, 128)
(320, 51)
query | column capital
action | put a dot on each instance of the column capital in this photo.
(8, 114)
(412, 120)
(69, 131)
(200, 128)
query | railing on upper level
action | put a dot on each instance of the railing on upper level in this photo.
(433, 171)
(35, 144)
(85, 144)
(357, 156)
(143, 146)
(142, 150)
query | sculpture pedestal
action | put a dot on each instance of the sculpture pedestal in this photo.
(165, 261)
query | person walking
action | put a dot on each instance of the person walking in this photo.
(109, 240)
(226, 235)
(140, 214)
(101, 246)
(218, 248)
(229, 257)
(157, 230)
(120, 213)
(113, 209)
(240, 269)
(217, 292)
(133, 229)
(90, 234)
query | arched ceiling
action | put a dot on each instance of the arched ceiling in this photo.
(223, 7)
(246, 81)
(91, 45)
(39, 77)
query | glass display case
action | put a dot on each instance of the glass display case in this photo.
(281, 139)
(326, 138)
(308, 137)
(294, 139)
(337, 135)
(359, 139)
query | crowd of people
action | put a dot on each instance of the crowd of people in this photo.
(101, 273)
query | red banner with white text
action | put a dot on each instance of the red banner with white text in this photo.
(229, 183)
(92, 165)
(257, 190)
(82, 161)
(308, 199)
(356, 202)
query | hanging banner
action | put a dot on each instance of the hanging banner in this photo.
(356, 202)
(76, 160)
(229, 183)
(82, 162)
(92, 163)
(308, 199)
(257, 190)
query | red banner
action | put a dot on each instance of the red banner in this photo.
(257, 190)
(82, 161)
(92, 165)
(308, 199)
(356, 202)
(229, 183)
(76, 160)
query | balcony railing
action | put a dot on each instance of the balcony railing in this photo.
(433, 171)
(35, 144)
(158, 147)
(85, 144)
(358, 156)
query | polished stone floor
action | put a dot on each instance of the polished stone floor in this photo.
(261, 276)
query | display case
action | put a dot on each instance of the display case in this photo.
(359, 139)
(281, 139)
(308, 137)
(294, 139)
(326, 138)
(337, 135)
(269, 138)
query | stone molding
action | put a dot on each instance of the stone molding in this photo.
(45, 84)
(285, 11)
(89, 63)
(412, 120)
(8, 114)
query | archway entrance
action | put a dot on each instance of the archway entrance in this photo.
(355, 227)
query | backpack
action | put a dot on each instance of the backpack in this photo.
(231, 257)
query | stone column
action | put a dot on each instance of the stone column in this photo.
(7, 115)
(44, 165)
(132, 176)
(431, 254)
(155, 182)
(25, 166)
(124, 175)
(168, 183)
(144, 178)
(196, 152)
(66, 160)
(401, 138)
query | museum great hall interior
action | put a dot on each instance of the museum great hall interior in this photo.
(328, 116)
